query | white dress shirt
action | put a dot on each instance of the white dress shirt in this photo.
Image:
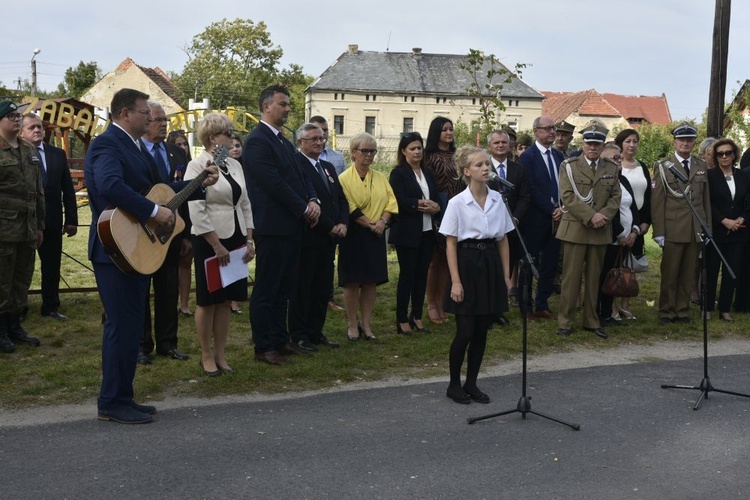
(465, 219)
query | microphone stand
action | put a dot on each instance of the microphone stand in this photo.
(526, 265)
(705, 385)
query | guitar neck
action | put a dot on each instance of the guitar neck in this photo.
(185, 192)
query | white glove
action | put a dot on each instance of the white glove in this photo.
(659, 240)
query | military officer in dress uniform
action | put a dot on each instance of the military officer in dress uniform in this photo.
(674, 227)
(590, 198)
(21, 225)
(563, 137)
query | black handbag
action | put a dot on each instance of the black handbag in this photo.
(621, 280)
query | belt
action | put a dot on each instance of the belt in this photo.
(27, 196)
(478, 244)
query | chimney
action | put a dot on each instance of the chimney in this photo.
(417, 51)
(353, 48)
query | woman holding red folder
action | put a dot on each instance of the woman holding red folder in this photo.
(221, 223)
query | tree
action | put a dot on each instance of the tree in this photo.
(488, 77)
(230, 62)
(79, 79)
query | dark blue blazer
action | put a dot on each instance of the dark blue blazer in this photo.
(407, 226)
(334, 209)
(58, 191)
(118, 174)
(277, 188)
(540, 185)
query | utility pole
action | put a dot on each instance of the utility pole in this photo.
(33, 72)
(717, 92)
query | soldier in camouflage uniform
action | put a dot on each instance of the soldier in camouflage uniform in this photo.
(21, 225)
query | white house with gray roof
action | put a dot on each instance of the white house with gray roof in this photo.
(387, 93)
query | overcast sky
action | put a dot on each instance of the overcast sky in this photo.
(633, 47)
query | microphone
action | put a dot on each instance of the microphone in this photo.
(678, 175)
(506, 184)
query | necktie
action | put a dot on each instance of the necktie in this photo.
(686, 164)
(156, 151)
(552, 175)
(502, 171)
(44, 165)
(593, 166)
(322, 174)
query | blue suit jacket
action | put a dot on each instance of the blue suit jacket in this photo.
(117, 173)
(334, 209)
(58, 191)
(278, 189)
(407, 225)
(540, 185)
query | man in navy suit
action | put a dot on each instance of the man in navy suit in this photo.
(542, 165)
(283, 201)
(169, 160)
(519, 199)
(58, 192)
(309, 303)
(118, 169)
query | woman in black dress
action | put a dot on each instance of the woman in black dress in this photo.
(221, 223)
(412, 232)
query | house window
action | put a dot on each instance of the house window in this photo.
(406, 99)
(408, 125)
(370, 125)
(338, 124)
(437, 100)
(374, 97)
(342, 96)
(336, 96)
(367, 97)
(516, 103)
(510, 102)
(473, 102)
(412, 98)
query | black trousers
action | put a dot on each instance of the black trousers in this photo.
(276, 261)
(545, 247)
(413, 263)
(309, 304)
(735, 254)
(50, 255)
(166, 295)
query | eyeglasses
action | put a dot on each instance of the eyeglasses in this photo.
(163, 119)
(722, 154)
(551, 128)
(617, 157)
(315, 139)
(368, 151)
(144, 112)
(13, 116)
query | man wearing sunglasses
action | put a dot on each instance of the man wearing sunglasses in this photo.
(21, 225)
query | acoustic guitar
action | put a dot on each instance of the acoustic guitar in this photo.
(141, 247)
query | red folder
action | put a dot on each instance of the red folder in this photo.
(213, 275)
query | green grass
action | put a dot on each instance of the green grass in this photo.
(67, 367)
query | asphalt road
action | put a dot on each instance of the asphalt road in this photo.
(636, 441)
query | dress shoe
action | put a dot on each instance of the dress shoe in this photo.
(306, 345)
(682, 319)
(476, 395)
(457, 394)
(665, 321)
(237, 311)
(291, 349)
(272, 358)
(6, 345)
(175, 354)
(502, 320)
(187, 313)
(125, 415)
(401, 331)
(726, 317)
(143, 359)
(213, 373)
(148, 409)
(544, 314)
(417, 328)
(54, 315)
(324, 340)
(611, 321)
(364, 334)
(625, 314)
(17, 334)
(353, 339)
(564, 332)
(228, 370)
(333, 306)
(531, 317)
(598, 331)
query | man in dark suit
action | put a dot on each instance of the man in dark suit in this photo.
(118, 169)
(169, 159)
(309, 303)
(283, 201)
(58, 191)
(542, 165)
(519, 199)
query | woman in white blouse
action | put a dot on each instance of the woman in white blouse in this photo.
(475, 224)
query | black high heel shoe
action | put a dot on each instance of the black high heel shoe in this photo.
(415, 327)
(214, 373)
(401, 331)
(364, 334)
